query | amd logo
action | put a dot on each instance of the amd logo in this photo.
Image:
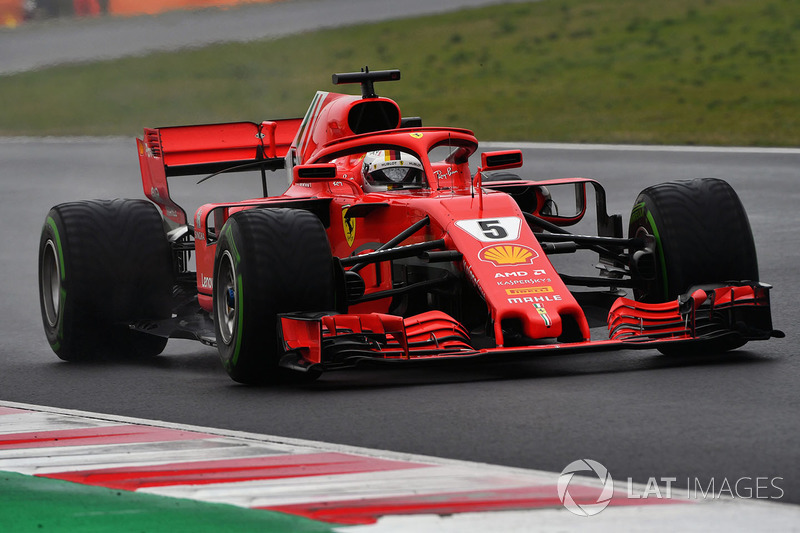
(518, 274)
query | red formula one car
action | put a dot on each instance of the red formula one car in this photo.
(388, 248)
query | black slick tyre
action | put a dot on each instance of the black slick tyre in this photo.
(702, 236)
(268, 261)
(103, 264)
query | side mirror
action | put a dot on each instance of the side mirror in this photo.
(319, 172)
(501, 160)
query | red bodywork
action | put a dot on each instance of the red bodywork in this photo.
(494, 250)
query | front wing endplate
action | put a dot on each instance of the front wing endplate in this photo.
(328, 341)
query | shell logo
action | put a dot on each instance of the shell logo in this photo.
(508, 255)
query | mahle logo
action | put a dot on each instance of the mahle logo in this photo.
(585, 509)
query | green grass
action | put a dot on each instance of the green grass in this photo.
(716, 72)
(33, 504)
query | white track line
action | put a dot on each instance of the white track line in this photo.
(640, 148)
(495, 145)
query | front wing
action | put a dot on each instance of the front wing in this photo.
(737, 313)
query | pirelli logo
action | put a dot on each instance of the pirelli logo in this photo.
(529, 290)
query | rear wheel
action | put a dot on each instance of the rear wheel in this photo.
(103, 264)
(268, 261)
(702, 236)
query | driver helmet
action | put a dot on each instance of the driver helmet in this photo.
(385, 170)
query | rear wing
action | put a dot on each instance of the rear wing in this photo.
(209, 149)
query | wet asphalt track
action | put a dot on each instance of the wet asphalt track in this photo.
(62, 41)
(638, 413)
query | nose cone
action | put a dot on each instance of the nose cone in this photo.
(504, 260)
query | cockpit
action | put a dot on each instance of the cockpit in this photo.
(389, 170)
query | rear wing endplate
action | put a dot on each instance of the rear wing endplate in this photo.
(209, 149)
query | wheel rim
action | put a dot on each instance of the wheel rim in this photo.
(224, 287)
(50, 283)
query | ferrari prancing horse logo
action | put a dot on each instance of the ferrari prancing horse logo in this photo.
(349, 225)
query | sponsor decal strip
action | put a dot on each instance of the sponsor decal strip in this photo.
(323, 482)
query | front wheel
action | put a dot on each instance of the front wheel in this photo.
(268, 261)
(702, 236)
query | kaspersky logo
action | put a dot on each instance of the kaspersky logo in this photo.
(592, 468)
